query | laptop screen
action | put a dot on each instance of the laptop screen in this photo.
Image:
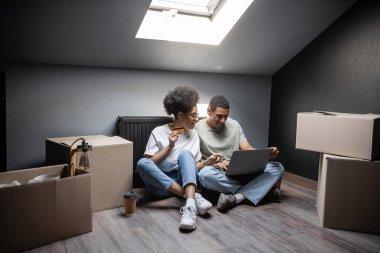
(248, 161)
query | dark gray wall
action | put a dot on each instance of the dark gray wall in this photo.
(3, 142)
(338, 71)
(52, 101)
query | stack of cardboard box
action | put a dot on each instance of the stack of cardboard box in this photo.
(34, 213)
(349, 168)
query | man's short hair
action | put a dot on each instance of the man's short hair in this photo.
(219, 101)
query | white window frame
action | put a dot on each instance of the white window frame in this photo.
(173, 25)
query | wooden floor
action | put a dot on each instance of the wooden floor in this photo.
(290, 225)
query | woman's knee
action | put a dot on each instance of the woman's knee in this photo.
(185, 153)
(143, 164)
(186, 163)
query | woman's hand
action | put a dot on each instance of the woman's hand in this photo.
(173, 137)
(157, 158)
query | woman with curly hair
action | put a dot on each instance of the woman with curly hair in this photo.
(172, 156)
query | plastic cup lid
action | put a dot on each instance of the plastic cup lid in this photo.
(130, 195)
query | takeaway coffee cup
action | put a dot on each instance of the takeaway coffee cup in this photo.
(130, 199)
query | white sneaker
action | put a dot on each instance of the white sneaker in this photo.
(202, 204)
(189, 218)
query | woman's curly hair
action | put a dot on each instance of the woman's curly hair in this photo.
(181, 99)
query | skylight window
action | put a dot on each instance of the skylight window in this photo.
(192, 21)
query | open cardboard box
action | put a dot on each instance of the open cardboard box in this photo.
(34, 214)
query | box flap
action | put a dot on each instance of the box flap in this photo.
(370, 116)
(114, 140)
(23, 176)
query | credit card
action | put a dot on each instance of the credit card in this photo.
(180, 130)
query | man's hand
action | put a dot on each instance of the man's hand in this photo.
(222, 165)
(212, 159)
(275, 152)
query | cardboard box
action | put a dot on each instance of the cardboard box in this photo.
(34, 214)
(111, 166)
(348, 194)
(352, 135)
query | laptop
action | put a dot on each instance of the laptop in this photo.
(248, 161)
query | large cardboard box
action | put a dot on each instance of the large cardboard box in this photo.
(348, 194)
(111, 166)
(352, 135)
(34, 214)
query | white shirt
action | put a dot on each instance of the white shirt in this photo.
(159, 139)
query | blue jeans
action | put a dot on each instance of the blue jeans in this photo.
(158, 182)
(253, 187)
